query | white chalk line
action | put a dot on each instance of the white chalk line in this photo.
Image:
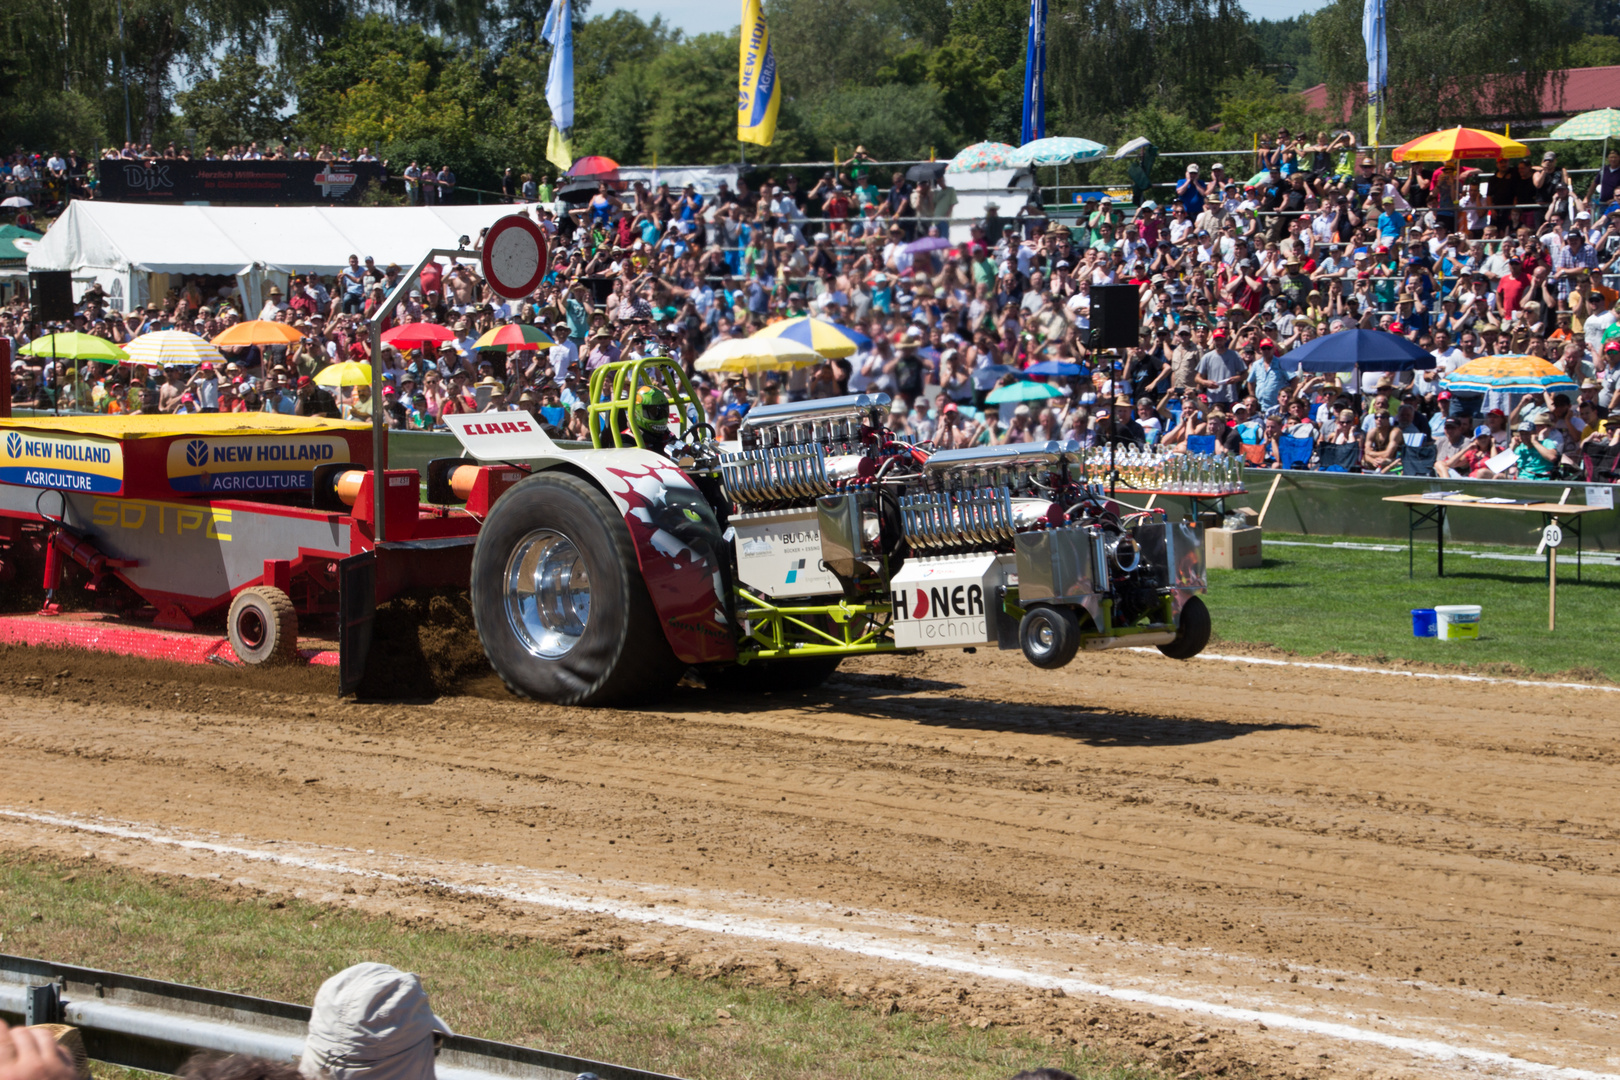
(848, 942)
(1319, 666)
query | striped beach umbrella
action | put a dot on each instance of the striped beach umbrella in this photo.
(515, 336)
(1510, 375)
(1460, 142)
(161, 348)
(981, 157)
(827, 338)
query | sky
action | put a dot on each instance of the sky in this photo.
(700, 17)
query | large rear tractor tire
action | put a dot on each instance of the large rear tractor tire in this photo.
(1192, 631)
(262, 626)
(559, 602)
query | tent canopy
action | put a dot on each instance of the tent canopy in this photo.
(127, 237)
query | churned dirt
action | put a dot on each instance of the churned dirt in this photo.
(1407, 858)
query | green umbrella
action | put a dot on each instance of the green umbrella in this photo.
(1022, 391)
(75, 346)
(1589, 126)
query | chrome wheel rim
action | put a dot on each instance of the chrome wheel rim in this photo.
(548, 593)
(1044, 637)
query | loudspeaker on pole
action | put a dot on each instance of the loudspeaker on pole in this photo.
(1116, 321)
(50, 294)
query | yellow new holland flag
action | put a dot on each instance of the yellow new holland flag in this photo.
(759, 94)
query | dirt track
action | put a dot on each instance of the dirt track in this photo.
(1410, 859)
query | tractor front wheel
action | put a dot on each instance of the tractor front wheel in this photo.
(262, 626)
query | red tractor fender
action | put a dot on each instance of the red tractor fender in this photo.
(678, 545)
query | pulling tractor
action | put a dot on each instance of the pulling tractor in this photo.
(607, 572)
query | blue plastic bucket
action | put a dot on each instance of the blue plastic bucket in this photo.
(1424, 622)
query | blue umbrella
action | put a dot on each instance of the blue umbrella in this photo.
(985, 375)
(927, 243)
(1053, 367)
(1366, 350)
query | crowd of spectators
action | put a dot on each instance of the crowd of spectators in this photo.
(1232, 276)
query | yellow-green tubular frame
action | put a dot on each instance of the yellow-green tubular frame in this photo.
(609, 414)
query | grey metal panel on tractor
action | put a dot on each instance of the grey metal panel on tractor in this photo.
(148, 1024)
(192, 548)
(810, 410)
(1055, 564)
(1350, 504)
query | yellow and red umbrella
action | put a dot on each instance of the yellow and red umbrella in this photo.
(1460, 142)
(515, 336)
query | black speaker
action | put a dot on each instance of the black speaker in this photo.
(50, 294)
(1115, 317)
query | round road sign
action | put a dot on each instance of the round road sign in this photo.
(1552, 535)
(514, 256)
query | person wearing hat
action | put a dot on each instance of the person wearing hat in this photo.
(372, 1022)
(204, 385)
(1191, 192)
(1470, 459)
(1535, 450)
(1266, 378)
(273, 303)
(1599, 319)
(1221, 370)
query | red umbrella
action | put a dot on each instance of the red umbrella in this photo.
(420, 335)
(594, 165)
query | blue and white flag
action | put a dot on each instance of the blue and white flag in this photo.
(558, 32)
(1373, 33)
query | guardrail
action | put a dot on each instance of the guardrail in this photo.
(153, 1025)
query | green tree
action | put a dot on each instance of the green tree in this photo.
(1594, 50)
(1253, 102)
(894, 122)
(1450, 61)
(1107, 57)
(824, 45)
(240, 103)
(694, 114)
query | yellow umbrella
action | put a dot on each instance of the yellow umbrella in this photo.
(347, 373)
(1460, 142)
(757, 354)
(259, 332)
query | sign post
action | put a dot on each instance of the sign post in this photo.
(1551, 537)
(514, 256)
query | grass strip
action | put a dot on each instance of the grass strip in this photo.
(1320, 599)
(597, 1006)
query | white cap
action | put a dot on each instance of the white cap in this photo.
(371, 1022)
(1193, 167)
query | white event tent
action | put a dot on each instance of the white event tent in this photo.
(132, 250)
